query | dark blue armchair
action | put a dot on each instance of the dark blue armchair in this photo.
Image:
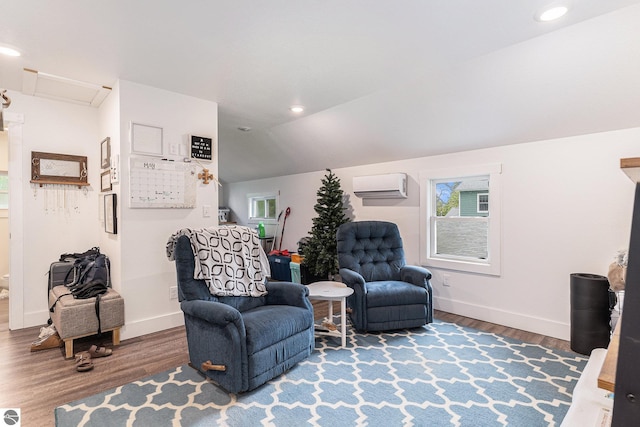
(242, 342)
(387, 293)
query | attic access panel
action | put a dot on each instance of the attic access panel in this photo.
(50, 86)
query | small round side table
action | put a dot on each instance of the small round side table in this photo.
(332, 291)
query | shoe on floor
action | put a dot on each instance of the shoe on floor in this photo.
(52, 341)
(45, 332)
(83, 362)
(96, 351)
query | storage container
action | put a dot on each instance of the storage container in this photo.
(223, 215)
(591, 305)
(295, 272)
(279, 265)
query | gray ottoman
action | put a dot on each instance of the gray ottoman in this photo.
(76, 318)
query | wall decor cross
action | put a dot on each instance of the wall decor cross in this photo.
(205, 176)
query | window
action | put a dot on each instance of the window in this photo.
(459, 228)
(262, 207)
(483, 203)
(4, 190)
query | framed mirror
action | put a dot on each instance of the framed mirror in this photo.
(53, 168)
(110, 214)
(105, 181)
(105, 153)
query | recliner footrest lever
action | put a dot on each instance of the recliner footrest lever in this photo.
(208, 366)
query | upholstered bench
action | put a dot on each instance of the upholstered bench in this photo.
(76, 318)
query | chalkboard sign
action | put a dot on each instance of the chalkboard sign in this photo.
(201, 147)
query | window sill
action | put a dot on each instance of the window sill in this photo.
(264, 221)
(465, 266)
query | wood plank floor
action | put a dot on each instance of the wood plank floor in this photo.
(38, 382)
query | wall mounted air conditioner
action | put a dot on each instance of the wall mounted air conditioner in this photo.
(387, 186)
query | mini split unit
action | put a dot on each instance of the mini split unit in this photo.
(387, 186)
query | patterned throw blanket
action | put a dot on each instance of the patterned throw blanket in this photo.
(228, 258)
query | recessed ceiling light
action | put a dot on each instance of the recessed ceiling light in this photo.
(297, 109)
(244, 128)
(552, 13)
(9, 51)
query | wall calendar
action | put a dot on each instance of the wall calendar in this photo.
(158, 183)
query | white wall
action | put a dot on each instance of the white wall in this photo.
(145, 273)
(140, 270)
(566, 208)
(57, 219)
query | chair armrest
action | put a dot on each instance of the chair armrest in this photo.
(419, 276)
(288, 293)
(212, 312)
(353, 280)
(415, 275)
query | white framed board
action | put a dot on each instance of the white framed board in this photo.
(155, 183)
(146, 139)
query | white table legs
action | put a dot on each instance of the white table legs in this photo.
(343, 319)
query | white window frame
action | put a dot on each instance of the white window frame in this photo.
(4, 210)
(254, 196)
(490, 266)
(478, 203)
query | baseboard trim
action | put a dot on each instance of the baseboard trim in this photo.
(151, 325)
(503, 317)
(129, 330)
(35, 318)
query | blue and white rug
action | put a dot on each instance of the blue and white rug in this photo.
(439, 375)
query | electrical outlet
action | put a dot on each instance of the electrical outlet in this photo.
(173, 292)
(446, 280)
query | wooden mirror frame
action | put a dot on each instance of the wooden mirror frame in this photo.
(58, 169)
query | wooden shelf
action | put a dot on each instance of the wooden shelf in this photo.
(631, 166)
(75, 184)
(607, 377)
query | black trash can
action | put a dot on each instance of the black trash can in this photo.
(591, 305)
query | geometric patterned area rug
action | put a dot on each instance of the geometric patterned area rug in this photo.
(439, 375)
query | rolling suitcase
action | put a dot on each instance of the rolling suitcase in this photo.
(59, 271)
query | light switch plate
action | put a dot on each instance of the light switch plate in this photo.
(115, 170)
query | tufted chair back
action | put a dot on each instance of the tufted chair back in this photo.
(371, 248)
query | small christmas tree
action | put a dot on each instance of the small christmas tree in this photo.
(320, 253)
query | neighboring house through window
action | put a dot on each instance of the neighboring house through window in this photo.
(483, 203)
(460, 229)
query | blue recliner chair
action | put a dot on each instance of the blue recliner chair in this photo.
(241, 342)
(387, 293)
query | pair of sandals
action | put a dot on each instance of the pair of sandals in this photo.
(84, 361)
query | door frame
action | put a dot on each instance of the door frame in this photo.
(16, 224)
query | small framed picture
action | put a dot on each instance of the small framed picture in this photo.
(110, 213)
(105, 153)
(105, 181)
(146, 140)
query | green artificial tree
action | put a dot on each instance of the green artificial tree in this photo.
(320, 252)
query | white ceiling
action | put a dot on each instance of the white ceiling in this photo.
(381, 80)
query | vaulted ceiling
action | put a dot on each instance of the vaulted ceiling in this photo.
(380, 80)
